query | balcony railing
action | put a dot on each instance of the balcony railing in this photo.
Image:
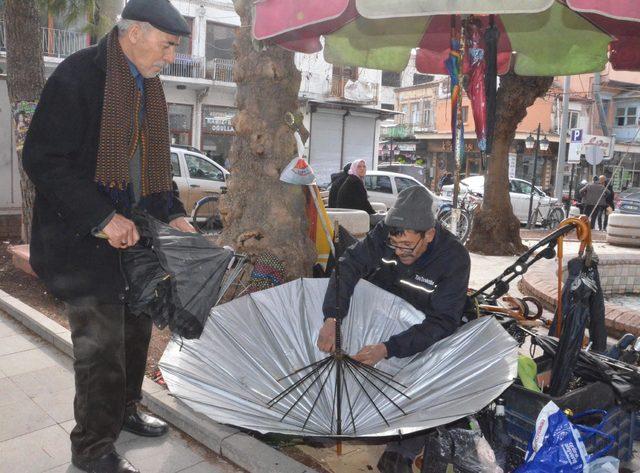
(186, 65)
(220, 69)
(355, 91)
(55, 43)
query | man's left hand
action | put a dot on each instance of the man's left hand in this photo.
(371, 354)
(183, 225)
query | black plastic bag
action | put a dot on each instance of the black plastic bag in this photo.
(173, 277)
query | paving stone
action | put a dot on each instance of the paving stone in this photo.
(23, 362)
(166, 454)
(68, 425)
(47, 448)
(206, 467)
(66, 468)
(17, 344)
(10, 392)
(58, 405)
(7, 327)
(20, 418)
(45, 381)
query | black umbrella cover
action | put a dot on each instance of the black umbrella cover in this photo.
(174, 277)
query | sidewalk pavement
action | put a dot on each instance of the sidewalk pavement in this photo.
(36, 416)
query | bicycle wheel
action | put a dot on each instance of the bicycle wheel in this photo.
(464, 224)
(206, 215)
(554, 217)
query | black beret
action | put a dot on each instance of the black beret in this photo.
(159, 13)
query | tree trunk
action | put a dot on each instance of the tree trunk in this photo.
(496, 231)
(25, 80)
(260, 213)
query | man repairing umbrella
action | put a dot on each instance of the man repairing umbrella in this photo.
(413, 257)
(97, 149)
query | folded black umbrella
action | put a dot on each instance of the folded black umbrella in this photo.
(173, 277)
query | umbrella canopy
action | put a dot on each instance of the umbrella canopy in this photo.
(173, 277)
(250, 345)
(547, 37)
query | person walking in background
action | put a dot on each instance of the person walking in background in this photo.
(445, 180)
(591, 194)
(337, 180)
(610, 202)
(352, 193)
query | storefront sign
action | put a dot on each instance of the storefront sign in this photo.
(217, 120)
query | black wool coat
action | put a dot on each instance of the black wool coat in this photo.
(60, 155)
(353, 195)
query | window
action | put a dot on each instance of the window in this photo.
(219, 41)
(202, 169)
(402, 183)
(422, 78)
(180, 123)
(217, 132)
(345, 72)
(404, 118)
(520, 187)
(387, 106)
(416, 112)
(574, 117)
(378, 184)
(626, 116)
(465, 114)
(391, 79)
(427, 110)
(175, 165)
(186, 43)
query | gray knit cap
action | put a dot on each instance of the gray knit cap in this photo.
(412, 210)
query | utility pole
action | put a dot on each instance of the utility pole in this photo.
(562, 144)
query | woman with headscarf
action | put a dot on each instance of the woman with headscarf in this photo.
(352, 194)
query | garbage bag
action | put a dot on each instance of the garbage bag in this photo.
(173, 277)
(467, 450)
(557, 445)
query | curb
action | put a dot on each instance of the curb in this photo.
(244, 450)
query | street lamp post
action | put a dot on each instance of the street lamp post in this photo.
(536, 145)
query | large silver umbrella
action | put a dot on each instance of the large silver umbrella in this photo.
(239, 371)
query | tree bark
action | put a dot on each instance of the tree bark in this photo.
(260, 213)
(496, 231)
(25, 80)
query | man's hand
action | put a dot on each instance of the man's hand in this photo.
(371, 354)
(183, 225)
(122, 232)
(327, 336)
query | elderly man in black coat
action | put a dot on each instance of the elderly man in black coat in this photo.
(97, 149)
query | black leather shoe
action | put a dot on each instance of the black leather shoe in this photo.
(393, 462)
(143, 424)
(108, 463)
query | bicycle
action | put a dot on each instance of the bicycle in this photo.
(466, 211)
(206, 215)
(554, 216)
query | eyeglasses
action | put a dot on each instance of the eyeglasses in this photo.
(403, 249)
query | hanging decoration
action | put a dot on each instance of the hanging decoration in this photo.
(475, 88)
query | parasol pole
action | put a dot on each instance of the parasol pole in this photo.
(338, 347)
(559, 305)
(457, 40)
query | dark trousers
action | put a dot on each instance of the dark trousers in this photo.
(110, 350)
(587, 211)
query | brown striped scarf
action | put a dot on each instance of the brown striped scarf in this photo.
(121, 133)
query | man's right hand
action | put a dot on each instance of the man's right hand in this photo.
(122, 232)
(327, 336)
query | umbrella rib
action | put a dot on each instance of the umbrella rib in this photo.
(317, 397)
(298, 383)
(367, 394)
(378, 373)
(353, 420)
(304, 368)
(324, 368)
(380, 390)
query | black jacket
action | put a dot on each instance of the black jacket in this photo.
(59, 156)
(337, 180)
(353, 195)
(436, 284)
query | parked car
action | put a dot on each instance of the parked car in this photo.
(628, 202)
(384, 186)
(196, 175)
(519, 191)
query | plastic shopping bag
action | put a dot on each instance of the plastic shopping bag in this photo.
(556, 446)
